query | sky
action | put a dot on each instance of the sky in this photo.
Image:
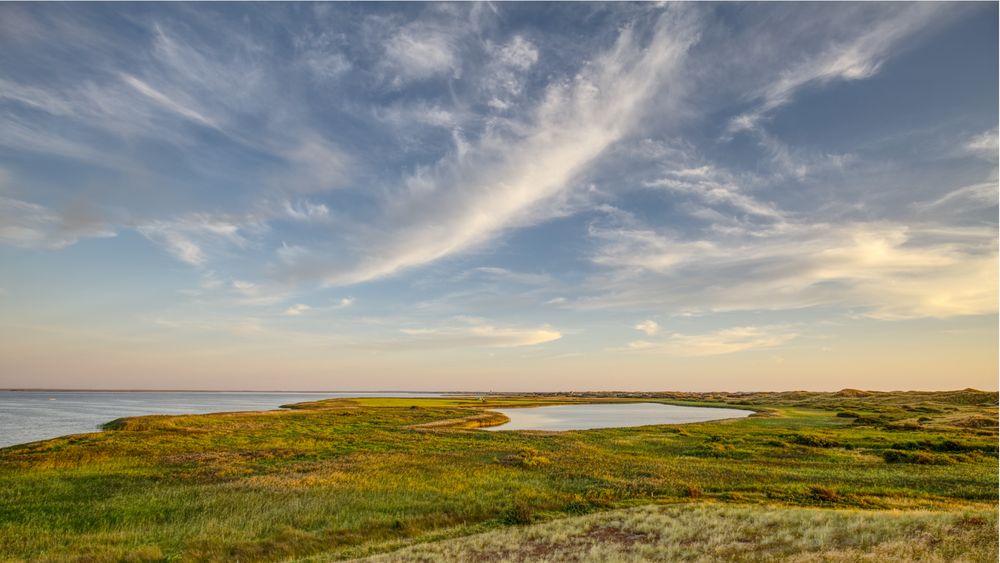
(497, 197)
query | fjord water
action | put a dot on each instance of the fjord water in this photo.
(28, 416)
(617, 415)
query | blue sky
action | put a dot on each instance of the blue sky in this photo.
(498, 196)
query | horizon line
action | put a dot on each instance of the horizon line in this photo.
(465, 392)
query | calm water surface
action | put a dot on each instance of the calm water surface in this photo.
(28, 416)
(585, 417)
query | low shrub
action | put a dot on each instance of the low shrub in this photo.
(977, 422)
(943, 446)
(869, 421)
(814, 441)
(823, 494)
(518, 514)
(692, 491)
(527, 457)
(919, 457)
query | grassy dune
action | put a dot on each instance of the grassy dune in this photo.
(712, 532)
(348, 478)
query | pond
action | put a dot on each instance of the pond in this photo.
(616, 415)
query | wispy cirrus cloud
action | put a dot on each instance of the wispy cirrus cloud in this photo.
(855, 54)
(165, 101)
(515, 178)
(720, 342)
(480, 334)
(966, 198)
(186, 81)
(187, 238)
(30, 225)
(887, 270)
(984, 145)
(715, 187)
(305, 210)
(854, 58)
(504, 275)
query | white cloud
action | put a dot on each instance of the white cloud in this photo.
(518, 53)
(297, 309)
(38, 98)
(420, 51)
(715, 187)
(854, 59)
(184, 81)
(725, 341)
(497, 103)
(974, 196)
(244, 287)
(182, 248)
(650, 327)
(251, 293)
(179, 81)
(699, 172)
(481, 334)
(186, 237)
(30, 225)
(300, 308)
(407, 114)
(328, 66)
(504, 76)
(645, 249)
(983, 145)
(887, 269)
(321, 55)
(306, 211)
(165, 101)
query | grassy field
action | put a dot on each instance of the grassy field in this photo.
(350, 478)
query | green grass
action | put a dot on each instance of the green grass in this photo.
(345, 478)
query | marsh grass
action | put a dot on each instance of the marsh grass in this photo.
(346, 478)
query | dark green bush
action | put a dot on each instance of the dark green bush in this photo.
(919, 457)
